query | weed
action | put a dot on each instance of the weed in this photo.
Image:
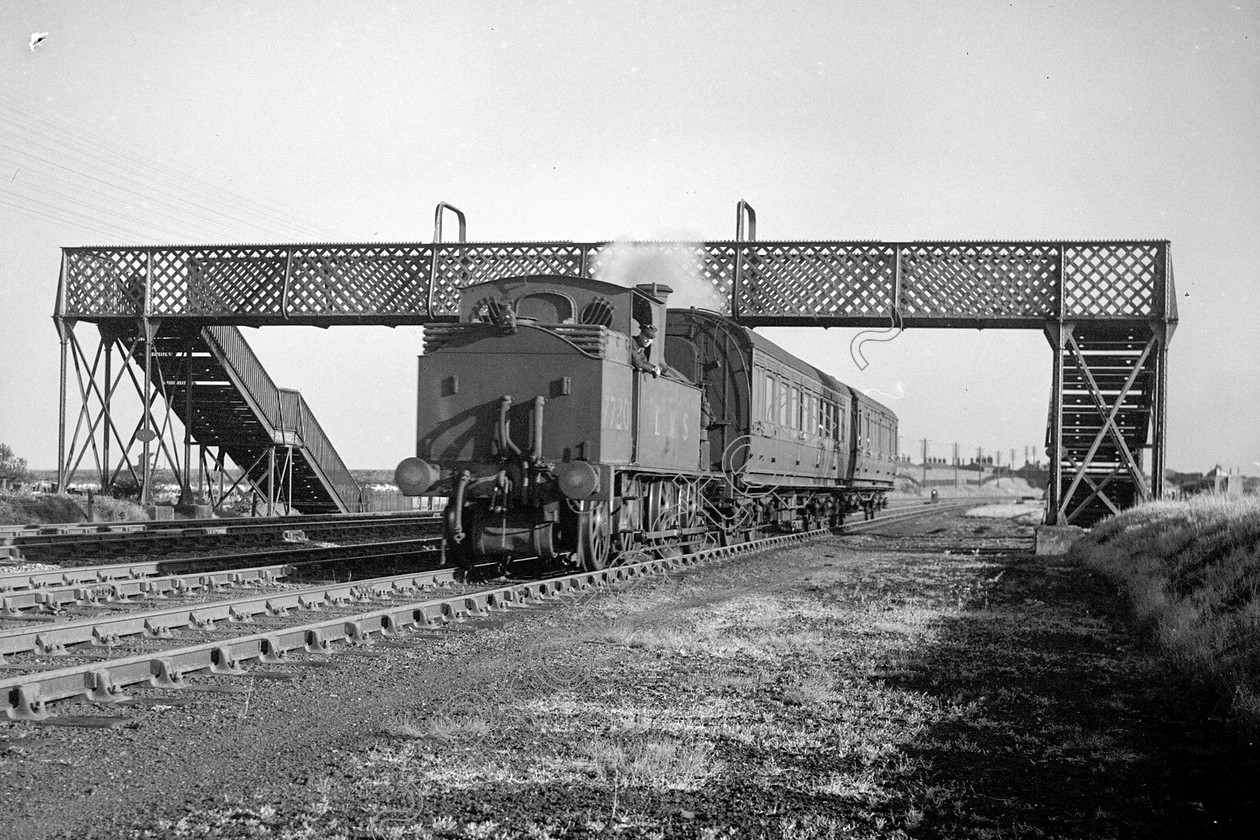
(651, 762)
(1191, 572)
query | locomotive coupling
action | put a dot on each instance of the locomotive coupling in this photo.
(415, 475)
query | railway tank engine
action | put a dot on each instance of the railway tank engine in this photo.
(550, 420)
(558, 426)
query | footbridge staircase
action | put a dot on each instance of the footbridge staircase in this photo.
(218, 389)
(240, 430)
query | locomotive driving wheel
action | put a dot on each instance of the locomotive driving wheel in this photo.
(594, 543)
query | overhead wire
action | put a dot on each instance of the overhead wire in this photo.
(77, 181)
(135, 182)
(23, 190)
(42, 210)
(107, 196)
(198, 201)
(93, 145)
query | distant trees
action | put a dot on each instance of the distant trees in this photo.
(12, 468)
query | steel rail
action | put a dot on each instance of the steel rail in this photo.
(60, 539)
(296, 556)
(243, 523)
(27, 697)
(913, 513)
(109, 591)
(52, 640)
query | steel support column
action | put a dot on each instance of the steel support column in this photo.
(1057, 334)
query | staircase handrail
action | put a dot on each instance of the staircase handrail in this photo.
(286, 410)
(257, 383)
(321, 451)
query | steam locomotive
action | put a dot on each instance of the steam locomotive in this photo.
(557, 426)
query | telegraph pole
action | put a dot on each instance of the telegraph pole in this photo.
(955, 464)
(925, 443)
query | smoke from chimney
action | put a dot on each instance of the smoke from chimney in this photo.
(679, 265)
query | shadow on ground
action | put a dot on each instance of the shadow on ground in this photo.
(1072, 729)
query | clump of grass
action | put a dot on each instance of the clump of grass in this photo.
(810, 692)
(453, 726)
(39, 509)
(57, 509)
(109, 509)
(1191, 571)
(656, 761)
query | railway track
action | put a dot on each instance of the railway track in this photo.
(142, 576)
(52, 543)
(164, 649)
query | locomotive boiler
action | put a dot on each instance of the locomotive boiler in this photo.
(573, 419)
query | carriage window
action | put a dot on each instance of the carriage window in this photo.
(781, 392)
(768, 397)
(794, 408)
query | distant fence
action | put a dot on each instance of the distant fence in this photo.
(384, 499)
(963, 480)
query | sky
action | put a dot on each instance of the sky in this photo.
(134, 123)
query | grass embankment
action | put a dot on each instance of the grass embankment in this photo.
(1191, 571)
(57, 509)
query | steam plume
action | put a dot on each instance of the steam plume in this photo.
(679, 265)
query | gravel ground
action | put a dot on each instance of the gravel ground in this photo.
(928, 680)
